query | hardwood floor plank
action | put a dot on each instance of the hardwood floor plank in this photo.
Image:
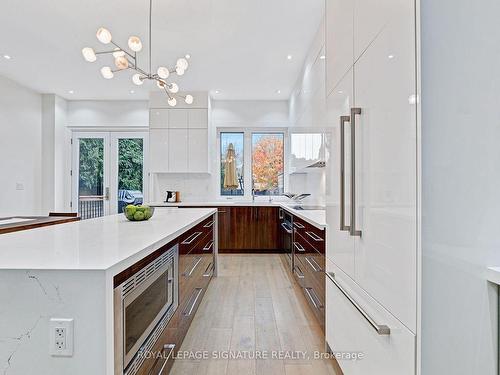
(254, 305)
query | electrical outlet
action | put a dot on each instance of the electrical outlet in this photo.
(61, 337)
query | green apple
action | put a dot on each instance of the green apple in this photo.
(139, 215)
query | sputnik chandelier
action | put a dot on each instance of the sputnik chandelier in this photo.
(125, 60)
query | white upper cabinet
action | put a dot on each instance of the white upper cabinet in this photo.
(197, 150)
(179, 140)
(386, 172)
(158, 118)
(158, 146)
(198, 119)
(339, 41)
(178, 118)
(178, 150)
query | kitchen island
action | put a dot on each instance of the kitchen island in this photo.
(69, 272)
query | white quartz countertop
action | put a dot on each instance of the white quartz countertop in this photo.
(314, 217)
(96, 244)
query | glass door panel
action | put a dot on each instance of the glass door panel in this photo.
(90, 191)
(128, 170)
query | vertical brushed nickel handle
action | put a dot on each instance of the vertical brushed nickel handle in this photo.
(343, 120)
(353, 230)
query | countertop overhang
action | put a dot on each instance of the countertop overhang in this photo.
(110, 242)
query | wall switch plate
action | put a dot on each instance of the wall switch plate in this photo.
(61, 337)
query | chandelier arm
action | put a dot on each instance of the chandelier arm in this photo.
(122, 49)
(166, 91)
(103, 52)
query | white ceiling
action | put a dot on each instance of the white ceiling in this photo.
(239, 47)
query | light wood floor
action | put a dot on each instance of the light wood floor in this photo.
(253, 305)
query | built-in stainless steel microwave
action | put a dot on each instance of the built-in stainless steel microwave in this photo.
(143, 305)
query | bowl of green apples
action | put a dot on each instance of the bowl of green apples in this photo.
(138, 213)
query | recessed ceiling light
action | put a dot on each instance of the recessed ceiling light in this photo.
(289, 57)
(71, 92)
(188, 56)
(132, 91)
(7, 57)
(390, 57)
(217, 91)
(322, 57)
(341, 92)
(278, 91)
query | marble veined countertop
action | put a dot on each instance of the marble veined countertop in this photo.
(96, 244)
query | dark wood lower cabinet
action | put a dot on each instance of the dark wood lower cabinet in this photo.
(196, 268)
(248, 228)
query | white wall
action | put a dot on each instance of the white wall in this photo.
(223, 114)
(20, 149)
(460, 180)
(107, 113)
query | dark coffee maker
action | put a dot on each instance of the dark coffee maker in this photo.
(171, 196)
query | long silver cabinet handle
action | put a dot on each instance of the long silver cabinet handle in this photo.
(188, 274)
(380, 328)
(343, 120)
(165, 348)
(353, 231)
(301, 275)
(286, 228)
(191, 238)
(298, 225)
(194, 298)
(313, 297)
(208, 246)
(208, 271)
(316, 267)
(299, 247)
(314, 236)
(209, 224)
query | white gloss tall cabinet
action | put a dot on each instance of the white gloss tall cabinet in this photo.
(371, 83)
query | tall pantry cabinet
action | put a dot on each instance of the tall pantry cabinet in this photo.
(372, 184)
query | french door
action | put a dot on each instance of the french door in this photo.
(109, 171)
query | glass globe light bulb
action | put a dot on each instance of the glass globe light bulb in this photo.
(136, 78)
(103, 35)
(182, 63)
(89, 54)
(118, 53)
(172, 102)
(179, 71)
(174, 89)
(121, 63)
(107, 72)
(134, 43)
(189, 99)
(163, 72)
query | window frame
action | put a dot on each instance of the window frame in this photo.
(247, 156)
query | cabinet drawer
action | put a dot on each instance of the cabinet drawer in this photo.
(352, 319)
(315, 236)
